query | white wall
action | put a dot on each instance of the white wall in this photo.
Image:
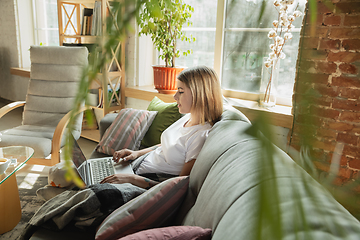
(13, 87)
(25, 30)
(280, 136)
(140, 57)
(147, 58)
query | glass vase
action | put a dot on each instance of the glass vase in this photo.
(269, 83)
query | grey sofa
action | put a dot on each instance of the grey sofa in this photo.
(231, 174)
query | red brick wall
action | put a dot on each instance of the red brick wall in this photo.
(326, 96)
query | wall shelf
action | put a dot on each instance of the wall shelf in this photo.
(112, 76)
(93, 135)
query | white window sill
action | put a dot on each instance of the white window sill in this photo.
(278, 115)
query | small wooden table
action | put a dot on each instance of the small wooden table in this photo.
(10, 208)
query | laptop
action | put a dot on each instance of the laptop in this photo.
(92, 171)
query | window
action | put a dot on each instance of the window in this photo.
(37, 24)
(229, 38)
(246, 44)
(46, 29)
(203, 29)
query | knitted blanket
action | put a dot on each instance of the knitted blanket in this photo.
(86, 208)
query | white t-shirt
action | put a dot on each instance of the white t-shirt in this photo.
(179, 145)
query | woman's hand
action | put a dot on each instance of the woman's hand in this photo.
(130, 178)
(125, 154)
(118, 178)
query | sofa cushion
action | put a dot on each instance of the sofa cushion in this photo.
(233, 171)
(318, 217)
(127, 130)
(171, 233)
(211, 167)
(231, 113)
(153, 208)
(168, 113)
(106, 122)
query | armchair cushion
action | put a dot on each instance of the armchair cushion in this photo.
(37, 137)
(127, 130)
(55, 75)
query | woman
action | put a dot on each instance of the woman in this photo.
(199, 97)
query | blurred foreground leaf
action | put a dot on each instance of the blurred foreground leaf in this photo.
(119, 25)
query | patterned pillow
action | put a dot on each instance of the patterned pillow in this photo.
(127, 130)
(172, 233)
(152, 209)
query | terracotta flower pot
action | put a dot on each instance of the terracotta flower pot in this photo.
(165, 78)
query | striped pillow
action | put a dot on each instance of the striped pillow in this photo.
(152, 209)
(172, 233)
(127, 130)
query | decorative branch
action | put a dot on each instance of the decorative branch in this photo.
(282, 26)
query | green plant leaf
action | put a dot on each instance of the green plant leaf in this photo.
(174, 14)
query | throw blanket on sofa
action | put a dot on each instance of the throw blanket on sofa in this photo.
(84, 208)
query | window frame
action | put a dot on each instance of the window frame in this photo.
(219, 54)
(220, 32)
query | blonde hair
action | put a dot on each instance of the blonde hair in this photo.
(206, 92)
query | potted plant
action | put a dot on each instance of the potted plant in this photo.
(165, 29)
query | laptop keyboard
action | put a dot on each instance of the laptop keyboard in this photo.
(102, 169)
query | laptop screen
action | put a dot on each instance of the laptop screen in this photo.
(77, 155)
(78, 159)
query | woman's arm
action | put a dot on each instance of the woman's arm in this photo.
(134, 179)
(141, 181)
(149, 149)
(127, 154)
(185, 171)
